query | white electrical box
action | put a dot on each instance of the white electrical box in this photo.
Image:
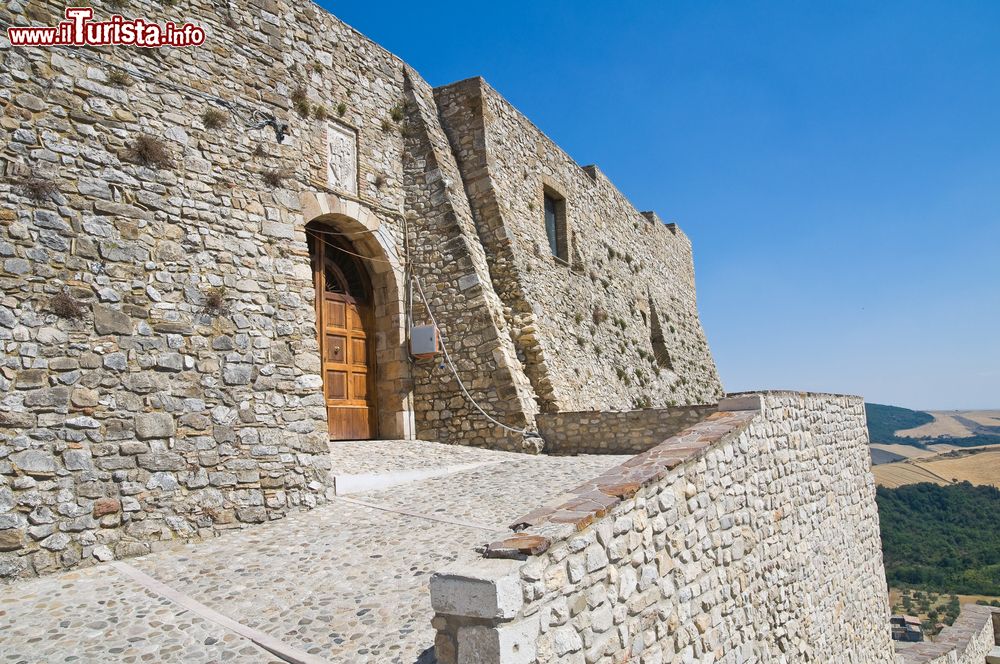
(424, 341)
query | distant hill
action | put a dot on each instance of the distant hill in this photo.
(923, 429)
(885, 421)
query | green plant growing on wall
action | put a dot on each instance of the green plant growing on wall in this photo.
(319, 112)
(397, 112)
(213, 118)
(215, 300)
(149, 151)
(275, 178)
(341, 109)
(300, 102)
(386, 126)
(120, 79)
(36, 187)
(66, 306)
(318, 67)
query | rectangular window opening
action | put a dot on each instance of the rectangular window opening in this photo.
(555, 226)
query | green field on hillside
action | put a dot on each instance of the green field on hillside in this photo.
(884, 421)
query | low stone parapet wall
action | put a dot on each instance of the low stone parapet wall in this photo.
(615, 432)
(967, 641)
(750, 536)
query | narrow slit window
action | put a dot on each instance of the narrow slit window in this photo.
(656, 339)
(660, 352)
(555, 226)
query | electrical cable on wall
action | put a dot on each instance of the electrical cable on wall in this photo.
(454, 371)
(355, 234)
(444, 346)
(317, 233)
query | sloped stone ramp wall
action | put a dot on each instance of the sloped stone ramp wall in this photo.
(749, 537)
(968, 641)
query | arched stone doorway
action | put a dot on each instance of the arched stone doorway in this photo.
(345, 320)
(373, 278)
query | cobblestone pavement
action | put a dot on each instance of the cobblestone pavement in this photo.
(96, 615)
(346, 582)
(384, 456)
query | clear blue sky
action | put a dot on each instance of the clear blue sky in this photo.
(836, 165)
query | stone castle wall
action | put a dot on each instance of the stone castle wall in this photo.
(752, 536)
(615, 432)
(160, 368)
(583, 327)
(153, 415)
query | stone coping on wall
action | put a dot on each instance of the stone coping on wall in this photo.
(974, 624)
(798, 393)
(581, 506)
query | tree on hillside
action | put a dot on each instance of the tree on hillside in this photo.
(941, 538)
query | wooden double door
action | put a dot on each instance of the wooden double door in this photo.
(345, 321)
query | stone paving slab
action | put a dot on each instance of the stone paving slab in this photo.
(386, 456)
(346, 582)
(96, 615)
(497, 494)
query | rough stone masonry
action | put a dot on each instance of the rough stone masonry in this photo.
(749, 537)
(161, 368)
(163, 325)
